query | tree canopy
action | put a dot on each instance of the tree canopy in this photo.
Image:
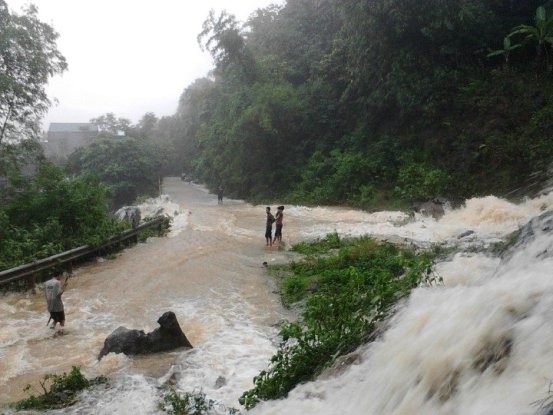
(368, 101)
(129, 167)
(28, 58)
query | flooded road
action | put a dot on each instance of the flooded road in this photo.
(209, 271)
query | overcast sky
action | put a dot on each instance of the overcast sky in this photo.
(128, 57)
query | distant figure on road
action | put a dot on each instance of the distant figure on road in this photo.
(269, 227)
(54, 290)
(278, 231)
(220, 195)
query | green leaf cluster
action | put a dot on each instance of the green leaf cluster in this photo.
(61, 392)
(28, 58)
(48, 212)
(347, 287)
(193, 403)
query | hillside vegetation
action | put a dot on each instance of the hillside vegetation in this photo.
(369, 103)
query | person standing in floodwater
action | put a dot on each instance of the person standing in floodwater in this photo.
(54, 290)
(220, 195)
(269, 227)
(278, 229)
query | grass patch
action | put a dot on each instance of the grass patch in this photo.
(59, 391)
(145, 234)
(162, 230)
(330, 241)
(348, 286)
(195, 403)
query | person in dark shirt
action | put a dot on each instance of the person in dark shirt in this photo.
(220, 195)
(269, 227)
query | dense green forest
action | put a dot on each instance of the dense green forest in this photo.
(370, 102)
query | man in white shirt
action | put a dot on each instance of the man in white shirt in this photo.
(53, 290)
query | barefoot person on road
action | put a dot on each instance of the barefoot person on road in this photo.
(269, 227)
(54, 290)
(278, 231)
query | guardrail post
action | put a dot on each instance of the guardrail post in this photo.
(31, 283)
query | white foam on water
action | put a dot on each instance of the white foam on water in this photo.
(127, 394)
(231, 347)
(467, 269)
(479, 345)
(163, 205)
(490, 218)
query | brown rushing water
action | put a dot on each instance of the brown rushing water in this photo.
(208, 270)
(212, 266)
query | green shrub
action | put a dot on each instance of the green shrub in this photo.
(50, 213)
(349, 292)
(61, 392)
(193, 404)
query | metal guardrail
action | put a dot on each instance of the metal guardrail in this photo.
(31, 269)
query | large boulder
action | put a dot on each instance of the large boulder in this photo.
(434, 207)
(130, 214)
(168, 336)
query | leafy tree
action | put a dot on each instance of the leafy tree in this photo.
(508, 47)
(50, 213)
(146, 126)
(110, 126)
(541, 32)
(28, 58)
(130, 167)
(223, 38)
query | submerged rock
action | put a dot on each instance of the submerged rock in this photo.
(168, 336)
(465, 234)
(434, 207)
(220, 382)
(523, 237)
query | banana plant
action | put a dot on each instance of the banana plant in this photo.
(508, 47)
(541, 32)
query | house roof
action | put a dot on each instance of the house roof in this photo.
(73, 127)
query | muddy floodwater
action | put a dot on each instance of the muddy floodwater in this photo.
(209, 271)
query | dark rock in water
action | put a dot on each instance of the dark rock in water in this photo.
(220, 382)
(341, 364)
(168, 336)
(524, 236)
(465, 233)
(441, 201)
(434, 208)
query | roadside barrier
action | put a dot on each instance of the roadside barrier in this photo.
(65, 259)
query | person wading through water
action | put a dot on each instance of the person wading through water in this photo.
(54, 290)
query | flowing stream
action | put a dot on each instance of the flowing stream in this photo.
(208, 270)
